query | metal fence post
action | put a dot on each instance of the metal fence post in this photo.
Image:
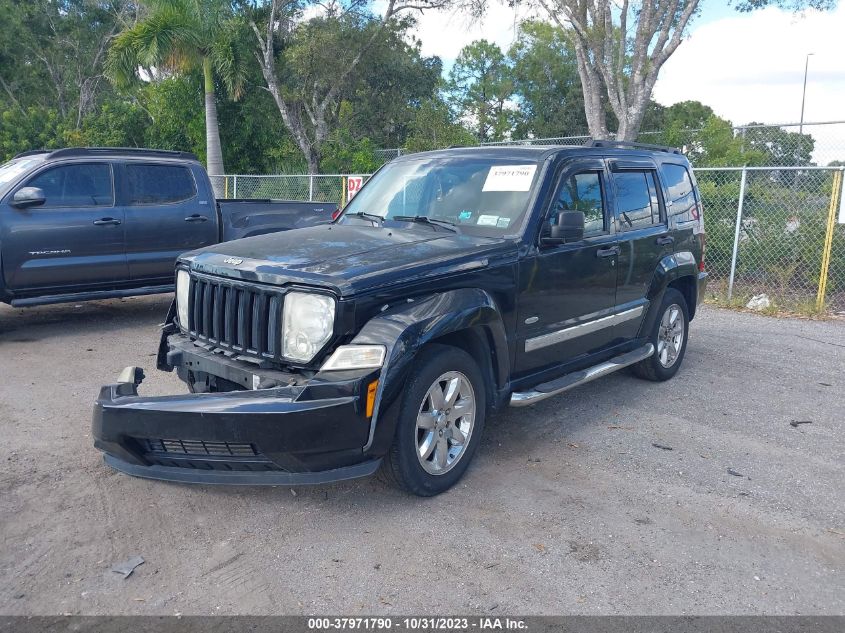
(736, 231)
(836, 191)
(310, 187)
(234, 186)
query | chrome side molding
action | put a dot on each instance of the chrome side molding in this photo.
(570, 381)
(587, 327)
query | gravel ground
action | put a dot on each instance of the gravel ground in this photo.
(568, 508)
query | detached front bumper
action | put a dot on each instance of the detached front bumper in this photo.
(279, 436)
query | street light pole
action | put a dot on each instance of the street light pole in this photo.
(804, 93)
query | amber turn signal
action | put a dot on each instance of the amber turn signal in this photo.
(371, 398)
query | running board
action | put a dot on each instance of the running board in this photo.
(569, 381)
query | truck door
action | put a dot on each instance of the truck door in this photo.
(166, 215)
(74, 239)
(643, 235)
(567, 292)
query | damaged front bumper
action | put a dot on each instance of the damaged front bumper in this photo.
(308, 433)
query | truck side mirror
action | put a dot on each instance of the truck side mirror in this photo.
(28, 197)
(569, 227)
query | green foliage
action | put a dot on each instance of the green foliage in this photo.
(480, 83)
(176, 35)
(780, 146)
(115, 124)
(176, 111)
(346, 151)
(546, 83)
(33, 128)
(435, 128)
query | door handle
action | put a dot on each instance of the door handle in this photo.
(663, 241)
(107, 222)
(608, 252)
(196, 217)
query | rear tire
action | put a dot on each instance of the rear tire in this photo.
(441, 419)
(669, 337)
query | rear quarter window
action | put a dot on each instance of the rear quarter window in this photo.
(681, 191)
(158, 184)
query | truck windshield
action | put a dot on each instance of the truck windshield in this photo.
(484, 196)
(15, 167)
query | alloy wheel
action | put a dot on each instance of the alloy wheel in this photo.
(445, 422)
(670, 335)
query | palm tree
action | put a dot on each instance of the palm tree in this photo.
(180, 35)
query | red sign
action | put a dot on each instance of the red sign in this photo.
(353, 186)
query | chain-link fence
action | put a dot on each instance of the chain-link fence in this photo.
(775, 232)
(316, 188)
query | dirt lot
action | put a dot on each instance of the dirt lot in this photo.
(569, 507)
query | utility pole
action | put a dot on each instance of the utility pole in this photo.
(804, 93)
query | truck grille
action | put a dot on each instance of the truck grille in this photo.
(236, 316)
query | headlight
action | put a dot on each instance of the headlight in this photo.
(307, 324)
(355, 357)
(183, 285)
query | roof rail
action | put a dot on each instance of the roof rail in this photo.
(657, 148)
(31, 152)
(107, 151)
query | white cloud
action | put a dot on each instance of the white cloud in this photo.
(445, 33)
(750, 67)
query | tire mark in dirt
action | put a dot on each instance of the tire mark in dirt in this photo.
(225, 563)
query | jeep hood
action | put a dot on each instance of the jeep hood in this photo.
(347, 258)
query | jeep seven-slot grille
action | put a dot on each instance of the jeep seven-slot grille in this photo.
(236, 316)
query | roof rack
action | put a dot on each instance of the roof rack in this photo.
(108, 151)
(31, 152)
(657, 148)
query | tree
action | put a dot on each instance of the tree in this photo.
(176, 36)
(480, 84)
(434, 127)
(613, 67)
(621, 47)
(781, 147)
(52, 53)
(325, 53)
(545, 82)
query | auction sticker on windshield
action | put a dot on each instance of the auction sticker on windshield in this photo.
(509, 178)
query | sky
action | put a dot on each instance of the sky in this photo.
(747, 67)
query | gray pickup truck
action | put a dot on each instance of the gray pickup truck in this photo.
(93, 223)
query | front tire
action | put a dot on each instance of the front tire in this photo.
(669, 337)
(441, 418)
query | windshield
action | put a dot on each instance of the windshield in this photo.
(15, 167)
(485, 196)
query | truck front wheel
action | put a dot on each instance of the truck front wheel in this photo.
(441, 419)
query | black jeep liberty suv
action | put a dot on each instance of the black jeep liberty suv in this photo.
(456, 282)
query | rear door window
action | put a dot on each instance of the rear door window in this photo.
(77, 185)
(158, 184)
(637, 206)
(681, 191)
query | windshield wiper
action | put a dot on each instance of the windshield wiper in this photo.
(422, 219)
(366, 216)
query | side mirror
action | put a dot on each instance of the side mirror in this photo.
(28, 197)
(569, 227)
